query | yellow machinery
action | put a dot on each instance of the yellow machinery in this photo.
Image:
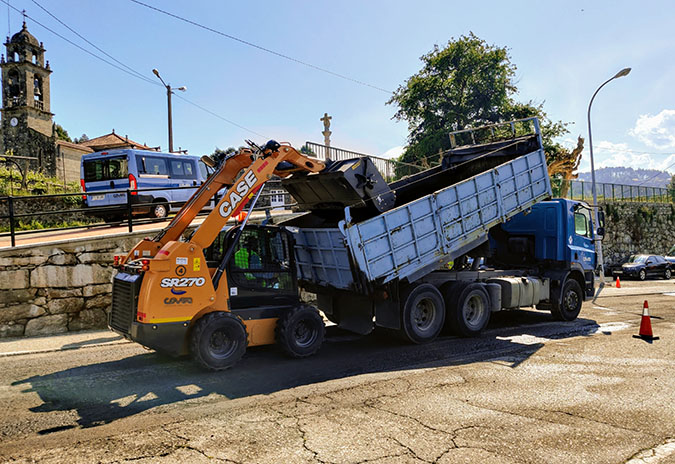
(213, 294)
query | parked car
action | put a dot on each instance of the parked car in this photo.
(124, 169)
(643, 266)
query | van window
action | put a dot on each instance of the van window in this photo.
(152, 165)
(105, 169)
(182, 169)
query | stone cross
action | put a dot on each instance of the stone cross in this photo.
(326, 129)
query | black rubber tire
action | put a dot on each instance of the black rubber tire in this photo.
(422, 313)
(300, 331)
(159, 210)
(467, 308)
(218, 340)
(569, 306)
(667, 274)
(642, 275)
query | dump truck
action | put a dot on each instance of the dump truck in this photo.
(401, 260)
(376, 253)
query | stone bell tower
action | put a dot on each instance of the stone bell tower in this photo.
(27, 125)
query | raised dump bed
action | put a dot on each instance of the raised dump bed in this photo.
(418, 237)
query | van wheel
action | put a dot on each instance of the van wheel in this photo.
(422, 313)
(159, 210)
(218, 341)
(569, 306)
(300, 331)
(467, 308)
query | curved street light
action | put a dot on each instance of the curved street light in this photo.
(598, 243)
(169, 91)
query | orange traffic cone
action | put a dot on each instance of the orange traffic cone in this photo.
(646, 325)
(618, 282)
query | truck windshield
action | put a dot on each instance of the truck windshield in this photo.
(105, 169)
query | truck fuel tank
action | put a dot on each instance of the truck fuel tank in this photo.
(354, 182)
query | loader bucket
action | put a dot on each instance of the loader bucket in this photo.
(354, 182)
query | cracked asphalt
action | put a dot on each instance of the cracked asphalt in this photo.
(530, 390)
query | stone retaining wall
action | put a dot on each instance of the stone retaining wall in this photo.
(58, 287)
(637, 228)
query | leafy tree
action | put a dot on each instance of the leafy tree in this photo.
(61, 133)
(468, 83)
(82, 139)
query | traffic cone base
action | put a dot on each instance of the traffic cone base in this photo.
(646, 325)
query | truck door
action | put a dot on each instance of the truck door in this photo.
(581, 241)
(261, 272)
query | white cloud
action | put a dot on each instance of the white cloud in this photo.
(609, 154)
(394, 152)
(656, 131)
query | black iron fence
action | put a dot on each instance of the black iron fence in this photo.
(582, 190)
(131, 210)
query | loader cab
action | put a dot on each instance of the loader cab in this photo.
(261, 272)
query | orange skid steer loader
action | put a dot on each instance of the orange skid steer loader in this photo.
(214, 294)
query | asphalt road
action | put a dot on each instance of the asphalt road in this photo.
(529, 390)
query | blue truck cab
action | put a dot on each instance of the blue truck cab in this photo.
(557, 235)
(112, 172)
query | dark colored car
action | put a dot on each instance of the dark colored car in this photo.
(643, 266)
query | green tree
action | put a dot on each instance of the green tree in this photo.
(82, 139)
(468, 83)
(305, 150)
(61, 133)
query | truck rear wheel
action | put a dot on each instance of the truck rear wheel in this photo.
(467, 308)
(422, 313)
(218, 341)
(300, 331)
(569, 306)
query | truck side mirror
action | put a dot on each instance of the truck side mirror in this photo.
(600, 231)
(601, 221)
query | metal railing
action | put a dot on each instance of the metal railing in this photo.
(495, 132)
(131, 212)
(390, 169)
(582, 190)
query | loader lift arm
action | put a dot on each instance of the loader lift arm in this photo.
(261, 163)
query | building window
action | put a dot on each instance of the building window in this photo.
(13, 78)
(37, 82)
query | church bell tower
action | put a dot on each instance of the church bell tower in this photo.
(27, 125)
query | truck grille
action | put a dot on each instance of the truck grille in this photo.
(124, 302)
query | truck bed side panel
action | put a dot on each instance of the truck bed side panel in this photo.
(399, 243)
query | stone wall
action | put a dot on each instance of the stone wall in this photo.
(58, 287)
(637, 228)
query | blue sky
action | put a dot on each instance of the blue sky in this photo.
(563, 51)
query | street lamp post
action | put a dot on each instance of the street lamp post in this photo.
(598, 243)
(169, 91)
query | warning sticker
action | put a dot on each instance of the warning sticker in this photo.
(182, 261)
(233, 291)
(196, 264)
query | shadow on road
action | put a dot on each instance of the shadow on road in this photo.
(104, 392)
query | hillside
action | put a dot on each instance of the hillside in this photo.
(628, 176)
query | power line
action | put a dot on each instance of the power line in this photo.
(78, 46)
(250, 44)
(656, 175)
(219, 116)
(129, 70)
(93, 45)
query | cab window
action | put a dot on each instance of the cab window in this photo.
(581, 224)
